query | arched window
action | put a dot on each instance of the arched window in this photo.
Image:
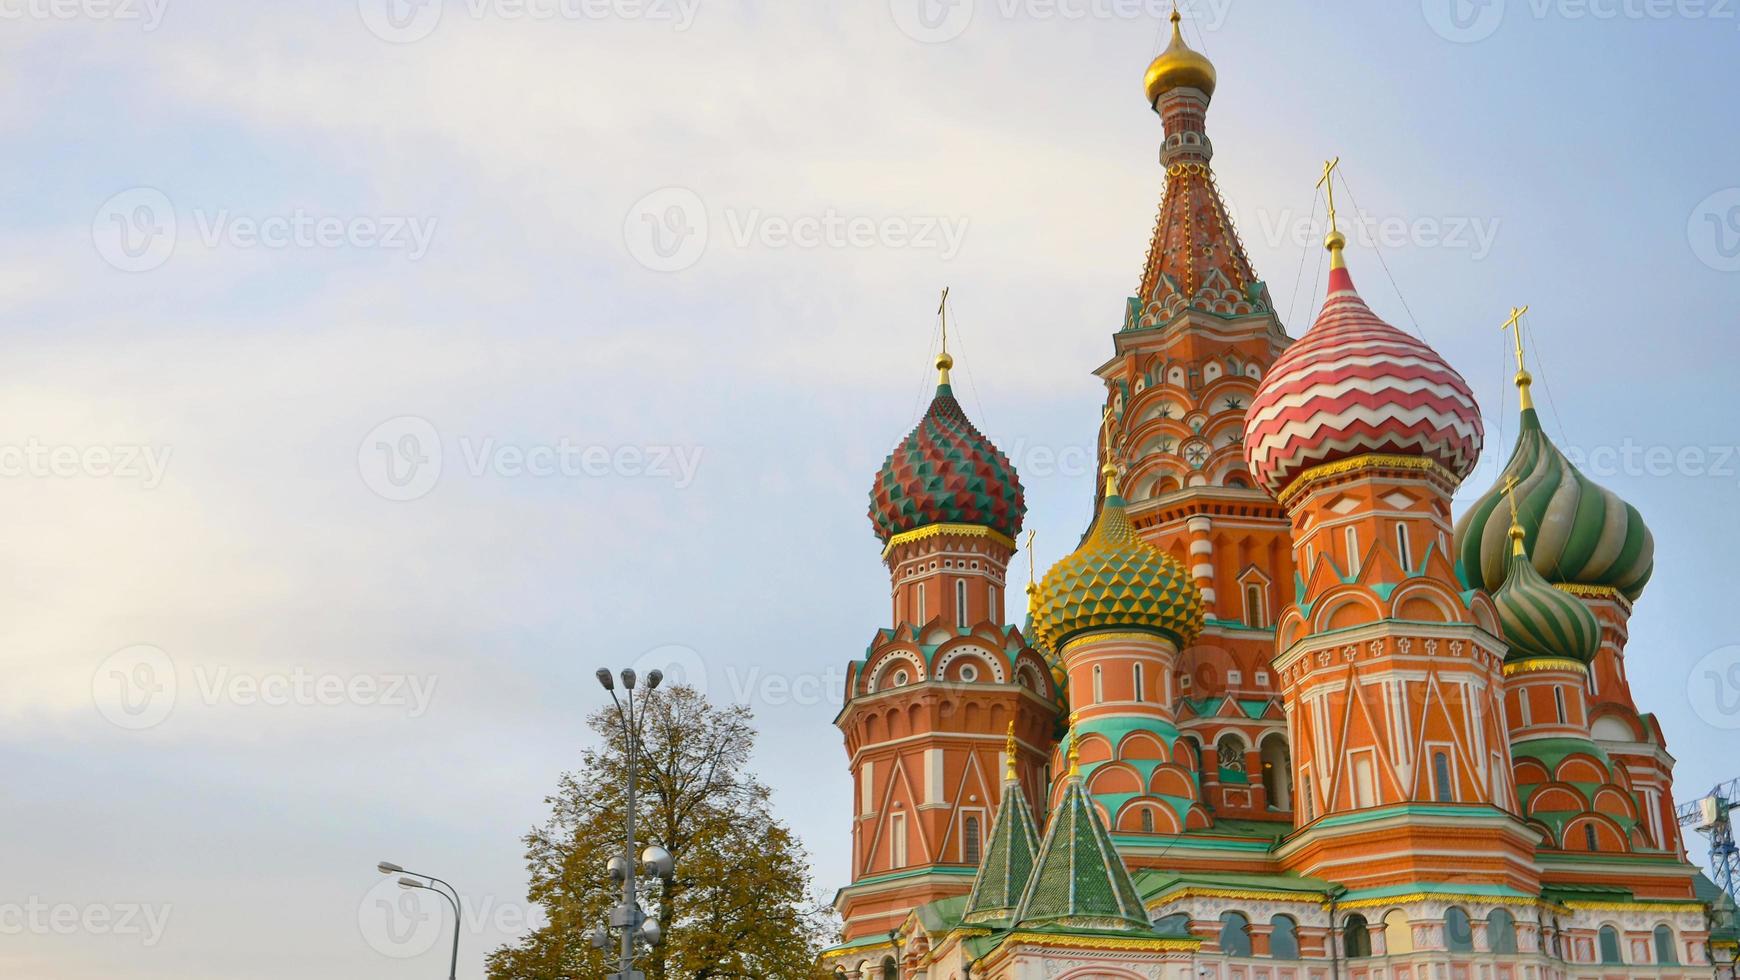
(1147, 820)
(1398, 933)
(1356, 937)
(1277, 772)
(1352, 536)
(1176, 924)
(1254, 605)
(1141, 682)
(921, 591)
(1458, 931)
(1232, 755)
(1664, 946)
(1099, 685)
(960, 602)
(1283, 938)
(889, 970)
(1501, 931)
(1610, 945)
(1589, 840)
(991, 602)
(970, 840)
(1235, 934)
(1443, 792)
(1403, 551)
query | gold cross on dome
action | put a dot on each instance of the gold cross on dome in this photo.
(1328, 186)
(1523, 378)
(942, 311)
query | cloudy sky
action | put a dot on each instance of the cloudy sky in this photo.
(371, 373)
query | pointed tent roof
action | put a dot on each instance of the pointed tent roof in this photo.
(1008, 863)
(1079, 880)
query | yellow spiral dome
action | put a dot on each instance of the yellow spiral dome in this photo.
(1179, 67)
(1115, 580)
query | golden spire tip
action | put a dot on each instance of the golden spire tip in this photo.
(943, 360)
(1335, 241)
(1523, 378)
(1009, 755)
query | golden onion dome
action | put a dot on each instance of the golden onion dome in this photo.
(1115, 580)
(1179, 67)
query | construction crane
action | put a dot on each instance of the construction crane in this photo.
(1709, 816)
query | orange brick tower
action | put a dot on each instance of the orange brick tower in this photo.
(1196, 339)
(930, 705)
(1393, 674)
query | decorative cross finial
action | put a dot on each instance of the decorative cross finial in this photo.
(943, 360)
(1108, 469)
(1523, 378)
(1335, 241)
(1074, 754)
(1009, 755)
(1516, 529)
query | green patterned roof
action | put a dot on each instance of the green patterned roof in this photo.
(1578, 532)
(1541, 621)
(946, 472)
(1079, 880)
(1115, 579)
(1008, 862)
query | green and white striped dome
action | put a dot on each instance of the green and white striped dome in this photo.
(1539, 620)
(1577, 531)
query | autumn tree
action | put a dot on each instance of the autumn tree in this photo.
(739, 905)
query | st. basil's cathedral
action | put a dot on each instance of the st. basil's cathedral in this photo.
(1278, 716)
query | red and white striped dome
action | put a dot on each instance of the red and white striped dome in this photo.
(1355, 385)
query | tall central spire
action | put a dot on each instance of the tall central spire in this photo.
(1195, 260)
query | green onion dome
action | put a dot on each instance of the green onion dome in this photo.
(1539, 620)
(1576, 531)
(1115, 580)
(946, 472)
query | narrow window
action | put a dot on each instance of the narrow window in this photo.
(1310, 801)
(1283, 938)
(1402, 550)
(897, 843)
(1364, 783)
(1352, 536)
(991, 602)
(1458, 931)
(970, 842)
(1147, 821)
(960, 602)
(921, 619)
(1589, 840)
(1235, 935)
(1443, 791)
(1310, 557)
(1522, 701)
(1664, 946)
(1501, 931)
(1559, 702)
(1099, 685)
(1139, 684)
(1610, 945)
(1254, 606)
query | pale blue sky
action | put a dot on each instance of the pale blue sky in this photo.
(251, 396)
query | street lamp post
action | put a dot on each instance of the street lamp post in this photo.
(446, 891)
(628, 916)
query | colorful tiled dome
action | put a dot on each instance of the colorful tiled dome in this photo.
(1539, 620)
(1577, 532)
(1116, 580)
(1355, 385)
(946, 472)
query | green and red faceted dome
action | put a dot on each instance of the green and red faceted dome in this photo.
(946, 472)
